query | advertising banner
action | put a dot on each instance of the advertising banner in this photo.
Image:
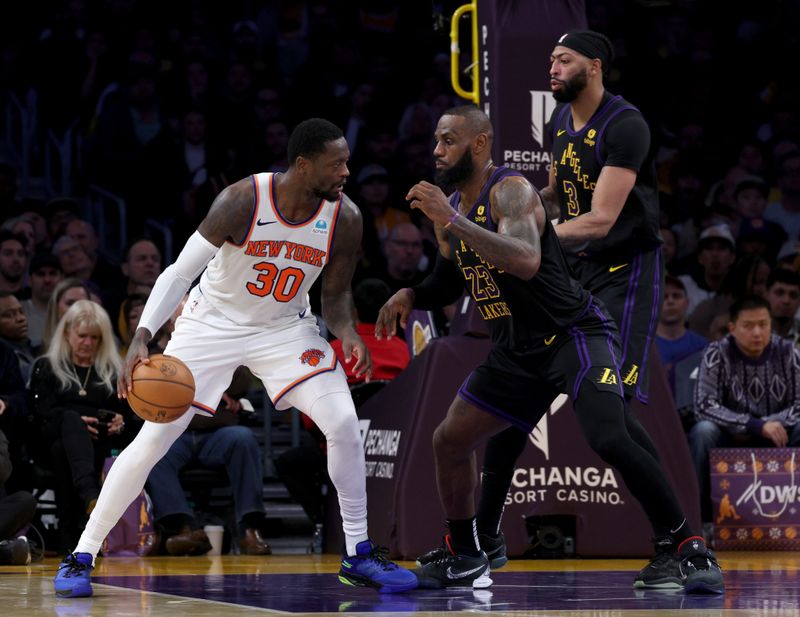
(755, 499)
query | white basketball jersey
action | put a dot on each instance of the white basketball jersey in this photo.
(265, 280)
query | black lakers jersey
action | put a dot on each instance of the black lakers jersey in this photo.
(518, 313)
(617, 135)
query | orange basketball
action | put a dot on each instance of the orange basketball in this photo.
(162, 390)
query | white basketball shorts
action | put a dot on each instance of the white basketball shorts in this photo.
(284, 358)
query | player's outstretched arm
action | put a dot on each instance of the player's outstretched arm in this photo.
(228, 219)
(519, 214)
(338, 309)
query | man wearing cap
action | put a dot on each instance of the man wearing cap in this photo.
(602, 189)
(45, 273)
(716, 253)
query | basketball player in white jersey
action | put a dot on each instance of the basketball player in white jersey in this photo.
(263, 243)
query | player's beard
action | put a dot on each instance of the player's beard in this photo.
(572, 88)
(326, 195)
(460, 172)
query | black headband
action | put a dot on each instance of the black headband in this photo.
(591, 44)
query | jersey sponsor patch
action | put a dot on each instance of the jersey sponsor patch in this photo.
(312, 357)
(320, 227)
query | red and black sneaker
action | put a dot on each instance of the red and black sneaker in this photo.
(699, 568)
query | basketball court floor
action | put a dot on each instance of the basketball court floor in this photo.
(758, 585)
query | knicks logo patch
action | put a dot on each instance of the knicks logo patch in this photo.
(312, 357)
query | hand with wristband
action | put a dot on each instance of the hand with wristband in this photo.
(433, 202)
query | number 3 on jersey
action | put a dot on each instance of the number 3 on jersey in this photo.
(571, 193)
(282, 285)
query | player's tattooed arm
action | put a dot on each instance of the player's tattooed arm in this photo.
(516, 246)
(338, 308)
(230, 215)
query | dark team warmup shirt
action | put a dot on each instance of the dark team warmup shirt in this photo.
(616, 136)
(518, 313)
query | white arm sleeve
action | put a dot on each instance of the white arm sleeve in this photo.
(173, 283)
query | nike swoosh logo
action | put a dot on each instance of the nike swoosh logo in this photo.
(260, 222)
(464, 574)
(615, 268)
(560, 132)
(548, 341)
(302, 313)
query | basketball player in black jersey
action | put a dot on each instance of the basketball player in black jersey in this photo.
(602, 189)
(549, 336)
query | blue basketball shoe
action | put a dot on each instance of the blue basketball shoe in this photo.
(72, 579)
(369, 567)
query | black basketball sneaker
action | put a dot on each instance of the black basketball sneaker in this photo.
(449, 569)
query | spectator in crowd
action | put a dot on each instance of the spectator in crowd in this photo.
(44, 274)
(75, 261)
(65, 294)
(747, 277)
(748, 391)
(198, 163)
(141, 265)
(39, 223)
(389, 356)
(13, 261)
(786, 212)
(24, 228)
(789, 256)
(16, 511)
(783, 295)
(74, 398)
(754, 234)
(14, 415)
(403, 251)
(276, 141)
(673, 340)
(716, 253)
(678, 347)
(14, 331)
(130, 312)
(102, 272)
(59, 212)
(380, 216)
(132, 140)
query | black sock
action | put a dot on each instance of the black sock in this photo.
(463, 538)
(502, 452)
(492, 503)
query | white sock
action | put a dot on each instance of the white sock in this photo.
(351, 542)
